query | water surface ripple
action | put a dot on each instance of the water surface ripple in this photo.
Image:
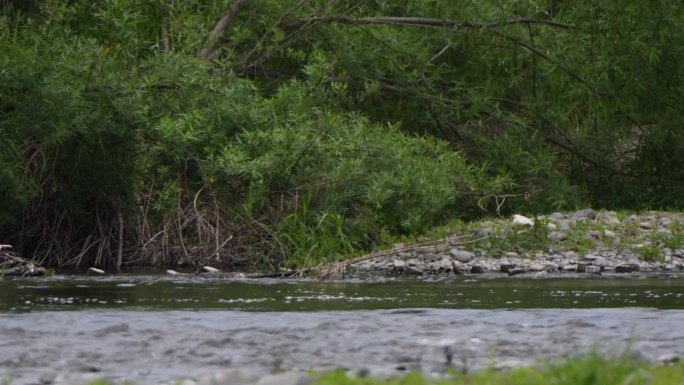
(149, 329)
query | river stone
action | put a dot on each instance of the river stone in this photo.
(668, 359)
(398, 264)
(570, 267)
(227, 377)
(287, 378)
(551, 267)
(582, 214)
(95, 270)
(664, 231)
(558, 236)
(462, 255)
(476, 269)
(601, 261)
(441, 266)
(564, 225)
(457, 267)
(511, 254)
(536, 267)
(506, 267)
(646, 225)
(557, 216)
(627, 267)
(521, 220)
(516, 271)
(75, 378)
(609, 234)
(592, 269)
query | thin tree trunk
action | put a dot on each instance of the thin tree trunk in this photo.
(228, 18)
(119, 249)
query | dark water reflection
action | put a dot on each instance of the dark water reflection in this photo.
(159, 292)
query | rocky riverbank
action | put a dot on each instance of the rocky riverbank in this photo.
(586, 241)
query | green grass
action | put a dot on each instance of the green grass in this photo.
(588, 370)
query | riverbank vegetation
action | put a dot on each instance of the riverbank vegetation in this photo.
(590, 370)
(282, 134)
(586, 370)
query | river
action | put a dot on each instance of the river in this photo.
(156, 328)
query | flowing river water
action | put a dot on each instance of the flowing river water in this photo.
(156, 328)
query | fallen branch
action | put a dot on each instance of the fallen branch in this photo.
(337, 269)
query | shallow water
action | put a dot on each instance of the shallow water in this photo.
(190, 292)
(150, 328)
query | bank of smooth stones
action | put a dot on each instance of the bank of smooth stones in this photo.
(634, 244)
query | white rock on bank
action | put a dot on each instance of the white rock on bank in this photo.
(287, 378)
(209, 269)
(227, 377)
(521, 220)
(95, 270)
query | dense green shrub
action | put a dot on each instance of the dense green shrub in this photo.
(308, 131)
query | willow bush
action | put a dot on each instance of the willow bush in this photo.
(271, 132)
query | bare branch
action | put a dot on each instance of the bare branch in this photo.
(228, 18)
(538, 52)
(420, 21)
